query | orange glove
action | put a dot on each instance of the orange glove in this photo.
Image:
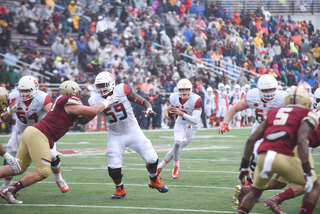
(223, 128)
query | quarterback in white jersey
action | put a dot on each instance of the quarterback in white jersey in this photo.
(259, 100)
(187, 107)
(221, 101)
(209, 104)
(124, 131)
(30, 106)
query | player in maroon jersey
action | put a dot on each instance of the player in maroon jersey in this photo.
(37, 139)
(12, 161)
(283, 129)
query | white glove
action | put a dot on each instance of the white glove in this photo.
(13, 163)
(111, 99)
(13, 109)
(150, 112)
(309, 183)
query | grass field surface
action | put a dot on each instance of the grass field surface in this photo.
(209, 169)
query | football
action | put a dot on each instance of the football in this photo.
(170, 114)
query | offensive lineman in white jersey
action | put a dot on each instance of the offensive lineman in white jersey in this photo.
(237, 95)
(316, 98)
(209, 104)
(308, 89)
(187, 106)
(260, 100)
(221, 103)
(30, 106)
(124, 131)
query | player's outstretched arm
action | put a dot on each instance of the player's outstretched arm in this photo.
(2, 150)
(12, 108)
(137, 99)
(12, 161)
(239, 106)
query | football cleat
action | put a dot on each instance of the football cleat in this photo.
(159, 171)
(120, 193)
(2, 188)
(273, 204)
(158, 185)
(63, 186)
(8, 195)
(239, 194)
(175, 172)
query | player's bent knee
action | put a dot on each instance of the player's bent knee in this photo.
(114, 160)
(176, 145)
(115, 173)
(55, 162)
(45, 171)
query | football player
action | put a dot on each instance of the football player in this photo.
(237, 95)
(260, 100)
(12, 161)
(31, 105)
(316, 98)
(283, 130)
(221, 103)
(38, 139)
(209, 104)
(124, 131)
(246, 114)
(187, 106)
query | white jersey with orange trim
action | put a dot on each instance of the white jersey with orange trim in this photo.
(221, 99)
(193, 102)
(237, 96)
(229, 96)
(260, 108)
(209, 101)
(27, 114)
(119, 116)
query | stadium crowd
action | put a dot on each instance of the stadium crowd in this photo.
(151, 45)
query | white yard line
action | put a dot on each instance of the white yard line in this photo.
(121, 207)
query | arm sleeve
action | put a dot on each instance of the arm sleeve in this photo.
(126, 89)
(198, 103)
(227, 104)
(47, 100)
(194, 119)
(312, 118)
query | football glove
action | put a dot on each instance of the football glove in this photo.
(12, 108)
(13, 163)
(150, 112)
(223, 128)
(243, 173)
(309, 183)
(111, 99)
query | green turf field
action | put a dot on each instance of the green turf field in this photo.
(208, 175)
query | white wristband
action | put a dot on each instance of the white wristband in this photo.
(7, 156)
(105, 103)
(149, 109)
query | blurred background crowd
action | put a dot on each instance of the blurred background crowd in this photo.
(151, 45)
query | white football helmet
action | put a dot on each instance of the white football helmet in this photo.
(221, 86)
(237, 87)
(266, 82)
(316, 97)
(246, 87)
(209, 90)
(184, 84)
(228, 88)
(104, 83)
(279, 88)
(308, 88)
(4, 99)
(28, 87)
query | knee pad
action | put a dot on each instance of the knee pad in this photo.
(114, 160)
(153, 165)
(115, 173)
(45, 171)
(55, 162)
(176, 145)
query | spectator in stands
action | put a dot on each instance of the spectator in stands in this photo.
(57, 48)
(291, 79)
(4, 75)
(277, 51)
(82, 48)
(13, 77)
(241, 79)
(23, 27)
(36, 65)
(10, 58)
(25, 71)
(55, 78)
(83, 24)
(312, 81)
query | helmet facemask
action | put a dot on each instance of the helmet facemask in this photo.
(184, 93)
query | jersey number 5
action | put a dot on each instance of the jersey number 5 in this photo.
(117, 108)
(282, 116)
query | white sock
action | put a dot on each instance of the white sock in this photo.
(163, 164)
(152, 175)
(237, 124)
(176, 162)
(58, 176)
(214, 123)
(6, 183)
(117, 185)
(208, 120)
